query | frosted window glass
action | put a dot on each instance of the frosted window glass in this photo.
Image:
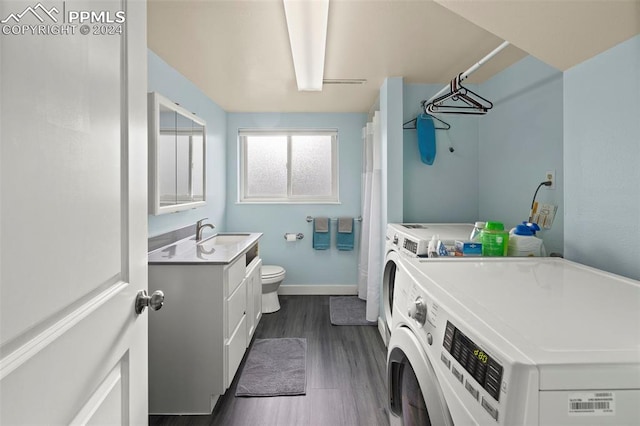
(311, 165)
(266, 166)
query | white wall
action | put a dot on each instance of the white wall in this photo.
(602, 160)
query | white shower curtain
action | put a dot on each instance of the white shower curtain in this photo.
(371, 237)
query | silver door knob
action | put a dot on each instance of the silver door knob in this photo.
(155, 301)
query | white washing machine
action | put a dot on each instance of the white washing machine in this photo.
(516, 341)
(411, 240)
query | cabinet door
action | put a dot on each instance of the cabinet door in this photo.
(254, 297)
(235, 274)
(257, 293)
(235, 348)
(236, 308)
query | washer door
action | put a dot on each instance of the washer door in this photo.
(388, 285)
(415, 396)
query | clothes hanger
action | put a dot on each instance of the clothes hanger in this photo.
(412, 124)
(452, 109)
(475, 104)
(447, 126)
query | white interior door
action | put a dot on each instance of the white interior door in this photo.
(73, 213)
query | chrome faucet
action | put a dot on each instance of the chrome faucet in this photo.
(200, 226)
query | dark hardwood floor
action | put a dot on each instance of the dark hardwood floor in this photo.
(346, 375)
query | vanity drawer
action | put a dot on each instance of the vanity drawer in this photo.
(236, 307)
(235, 274)
(234, 349)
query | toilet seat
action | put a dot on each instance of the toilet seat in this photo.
(272, 272)
(268, 270)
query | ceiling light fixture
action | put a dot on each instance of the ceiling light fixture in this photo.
(307, 25)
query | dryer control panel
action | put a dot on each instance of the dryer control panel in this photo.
(484, 369)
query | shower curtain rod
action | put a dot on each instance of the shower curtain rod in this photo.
(471, 70)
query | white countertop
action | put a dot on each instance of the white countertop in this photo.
(206, 251)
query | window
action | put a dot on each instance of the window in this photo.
(288, 166)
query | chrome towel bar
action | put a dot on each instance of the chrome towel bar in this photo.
(310, 218)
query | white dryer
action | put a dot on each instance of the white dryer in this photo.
(518, 341)
(411, 240)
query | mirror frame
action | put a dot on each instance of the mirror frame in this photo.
(155, 100)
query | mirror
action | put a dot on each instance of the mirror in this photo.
(177, 146)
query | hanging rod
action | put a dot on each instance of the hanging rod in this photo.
(310, 218)
(472, 69)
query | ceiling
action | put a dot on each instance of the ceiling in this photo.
(237, 51)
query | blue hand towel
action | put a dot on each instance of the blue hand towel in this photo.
(321, 234)
(426, 138)
(344, 237)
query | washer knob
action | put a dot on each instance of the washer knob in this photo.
(418, 311)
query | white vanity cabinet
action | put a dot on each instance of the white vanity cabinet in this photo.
(198, 339)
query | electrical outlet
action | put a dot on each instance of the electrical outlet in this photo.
(551, 175)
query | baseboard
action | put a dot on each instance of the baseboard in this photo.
(318, 289)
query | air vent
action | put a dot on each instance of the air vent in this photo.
(344, 81)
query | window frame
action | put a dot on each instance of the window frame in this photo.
(289, 198)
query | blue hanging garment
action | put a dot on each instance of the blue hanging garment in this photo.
(426, 138)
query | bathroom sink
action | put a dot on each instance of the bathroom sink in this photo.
(225, 239)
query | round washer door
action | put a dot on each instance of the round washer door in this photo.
(415, 395)
(388, 285)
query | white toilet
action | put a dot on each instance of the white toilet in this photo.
(272, 277)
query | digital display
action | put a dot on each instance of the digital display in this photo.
(482, 357)
(484, 369)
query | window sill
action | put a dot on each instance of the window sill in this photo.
(288, 202)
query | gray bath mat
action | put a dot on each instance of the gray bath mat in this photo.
(348, 310)
(274, 367)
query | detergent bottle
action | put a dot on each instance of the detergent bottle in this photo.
(523, 242)
(495, 240)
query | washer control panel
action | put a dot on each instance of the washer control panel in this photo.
(483, 368)
(410, 245)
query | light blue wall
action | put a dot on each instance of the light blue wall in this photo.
(519, 140)
(602, 160)
(391, 95)
(498, 159)
(173, 85)
(447, 190)
(303, 264)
